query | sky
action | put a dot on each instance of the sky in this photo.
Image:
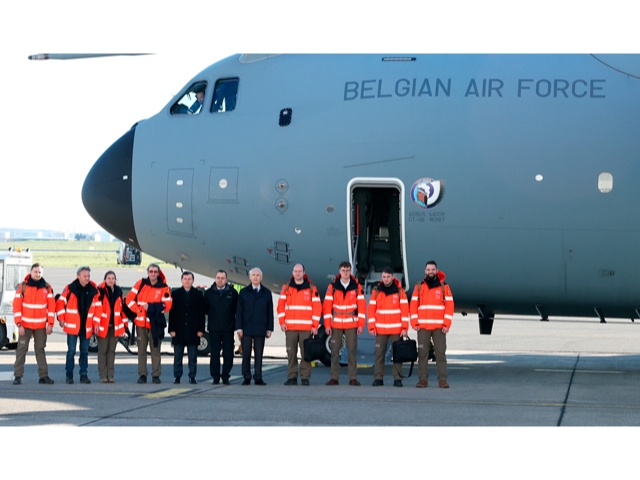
(60, 116)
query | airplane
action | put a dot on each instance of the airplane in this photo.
(516, 173)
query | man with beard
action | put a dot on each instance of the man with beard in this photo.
(150, 298)
(388, 320)
(431, 314)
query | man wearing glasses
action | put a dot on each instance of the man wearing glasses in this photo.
(150, 298)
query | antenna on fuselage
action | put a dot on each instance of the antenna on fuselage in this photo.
(76, 56)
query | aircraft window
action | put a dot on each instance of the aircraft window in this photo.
(224, 95)
(191, 102)
(605, 182)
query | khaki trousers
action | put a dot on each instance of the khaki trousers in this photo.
(439, 347)
(295, 339)
(351, 337)
(40, 342)
(380, 353)
(107, 354)
(145, 339)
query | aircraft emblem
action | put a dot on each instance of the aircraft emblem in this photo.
(427, 192)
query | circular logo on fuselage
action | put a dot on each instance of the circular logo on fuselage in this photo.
(427, 192)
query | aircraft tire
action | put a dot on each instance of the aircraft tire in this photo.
(204, 348)
(93, 344)
(326, 360)
(3, 335)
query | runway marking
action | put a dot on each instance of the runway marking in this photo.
(560, 370)
(171, 392)
(566, 398)
(558, 404)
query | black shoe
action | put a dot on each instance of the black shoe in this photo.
(247, 381)
(377, 383)
(259, 382)
(291, 381)
(215, 381)
(226, 381)
(305, 382)
(192, 381)
(155, 379)
(69, 379)
(17, 381)
(46, 380)
(142, 379)
(397, 383)
(176, 380)
(84, 379)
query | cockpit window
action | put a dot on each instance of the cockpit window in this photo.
(192, 101)
(224, 95)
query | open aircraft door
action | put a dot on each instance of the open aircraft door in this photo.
(375, 222)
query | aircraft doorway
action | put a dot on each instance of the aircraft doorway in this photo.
(376, 229)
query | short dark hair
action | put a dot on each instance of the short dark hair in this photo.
(222, 271)
(186, 272)
(344, 264)
(388, 270)
(431, 262)
(35, 265)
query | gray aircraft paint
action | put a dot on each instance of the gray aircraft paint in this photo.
(486, 125)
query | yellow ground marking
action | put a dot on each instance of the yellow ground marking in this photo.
(170, 392)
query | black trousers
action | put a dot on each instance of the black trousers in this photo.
(225, 341)
(258, 349)
(178, 355)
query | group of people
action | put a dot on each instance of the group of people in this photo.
(387, 318)
(84, 308)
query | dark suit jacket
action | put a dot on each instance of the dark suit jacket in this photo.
(221, 308)
(186, 316)
(254, 315)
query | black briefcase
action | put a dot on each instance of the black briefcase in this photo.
(314, 348)
(405, 350)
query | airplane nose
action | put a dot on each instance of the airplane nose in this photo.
(106, 193)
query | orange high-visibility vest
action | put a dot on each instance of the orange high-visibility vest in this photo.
(299, 309)
(432, 308)
(143, 293)
(344, 309)
(119, 321)
(33, 307)
(67, 311)
(388, 314)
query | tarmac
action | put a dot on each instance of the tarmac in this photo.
(565, 372)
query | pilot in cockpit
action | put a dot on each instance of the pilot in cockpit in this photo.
(187, 104)
(195, 108)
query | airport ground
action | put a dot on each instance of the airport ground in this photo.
(565, 372)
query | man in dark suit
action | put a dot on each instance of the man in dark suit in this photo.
(186, 326)
(220, 303)
(254, 323)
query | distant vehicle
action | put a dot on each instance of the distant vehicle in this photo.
(128, 255)
(14, 266)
